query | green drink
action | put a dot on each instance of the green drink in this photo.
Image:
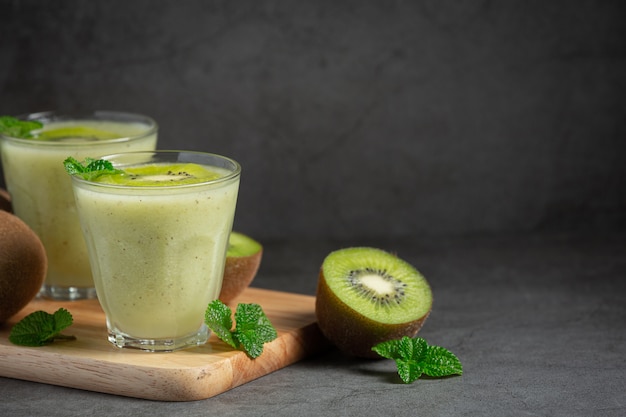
(157, 236)
(41, 191)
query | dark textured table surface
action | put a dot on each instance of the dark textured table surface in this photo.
(537, 321)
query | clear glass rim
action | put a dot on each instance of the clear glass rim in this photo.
(233, 174)
(99, 115)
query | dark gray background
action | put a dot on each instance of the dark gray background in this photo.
(482, 140)
(356, 119)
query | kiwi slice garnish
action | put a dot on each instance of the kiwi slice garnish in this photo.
(76, 133)
(158, 174)
(366, 296)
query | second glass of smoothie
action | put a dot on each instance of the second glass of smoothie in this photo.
(157, 236)
(41, 191)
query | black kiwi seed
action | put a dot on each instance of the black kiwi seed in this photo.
(370, 294)
(179, 173)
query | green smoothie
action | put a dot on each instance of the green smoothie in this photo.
(157, 235)
(41, 190)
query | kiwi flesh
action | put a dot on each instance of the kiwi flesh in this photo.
(23, 265)
(243, 259)
(366, 296)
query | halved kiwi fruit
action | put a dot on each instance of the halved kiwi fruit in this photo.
(243, 259)
(366, 296)
(23, 264)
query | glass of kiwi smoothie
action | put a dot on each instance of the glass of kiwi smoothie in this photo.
(157, 230)
(41, 191)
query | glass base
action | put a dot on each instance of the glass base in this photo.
(121, 340)
(54, 292)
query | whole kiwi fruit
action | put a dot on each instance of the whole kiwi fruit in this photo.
(366, 296)
(23, 265)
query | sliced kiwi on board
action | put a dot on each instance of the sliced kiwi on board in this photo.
(243, 259)
(366, 296)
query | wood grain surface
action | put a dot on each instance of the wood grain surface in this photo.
(91, 363)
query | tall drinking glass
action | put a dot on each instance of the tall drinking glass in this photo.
(41, 191)
(157, 238)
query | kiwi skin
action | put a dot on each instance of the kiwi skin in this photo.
(351, 332)
(23, 265)
(239, 270)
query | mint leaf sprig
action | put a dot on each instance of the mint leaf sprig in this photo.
(90, 168)
(16, 128)
(414, 357)
(40, 328)
(252, 330)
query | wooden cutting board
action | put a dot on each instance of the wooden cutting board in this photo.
(91, 363)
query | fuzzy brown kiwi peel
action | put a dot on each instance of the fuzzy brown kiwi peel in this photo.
(366, 296)
(243, 259)
(23, 265)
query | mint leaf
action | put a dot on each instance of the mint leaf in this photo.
(414, 357)
(90, 168)
(72, 166)
(13, 127)
(441, 362)
(218, 318)
(252, 329)
(40, 328)
(98, 165)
